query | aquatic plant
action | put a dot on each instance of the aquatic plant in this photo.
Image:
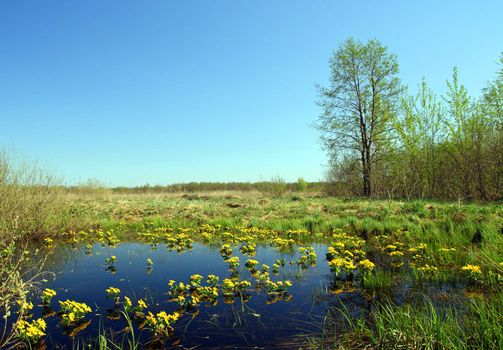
(248, 249)
(473, 272)
(233, 262)
(24, 306)
(251, 264)
(232, 288)
(111, 260)
(48, 242)
(212, 280)
(112, 292)
(307, 257)
(31, 332)
(72, 312)
(47, 295)
(226, 251)
(162, 322)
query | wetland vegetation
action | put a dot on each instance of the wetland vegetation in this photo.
(400, 248)
(243, 269)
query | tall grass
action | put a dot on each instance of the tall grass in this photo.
(478, 325)
(30, 203)
(30, 206)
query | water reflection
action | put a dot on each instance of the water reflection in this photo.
(251, 318)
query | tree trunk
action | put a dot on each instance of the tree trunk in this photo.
(367, 187)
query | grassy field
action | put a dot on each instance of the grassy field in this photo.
(373, 246)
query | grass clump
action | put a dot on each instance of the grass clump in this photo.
(430, 327)
(31, 204)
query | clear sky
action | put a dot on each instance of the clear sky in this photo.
(162, 91)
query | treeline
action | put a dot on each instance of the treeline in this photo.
(198, 187)
(415, 147)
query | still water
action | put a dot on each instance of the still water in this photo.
(254, 324)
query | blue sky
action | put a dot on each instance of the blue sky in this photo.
(160, 91)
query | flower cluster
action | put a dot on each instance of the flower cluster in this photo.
(47, 295)
(193, 293)
(162, 322)
(472, 269)
(226, 251)
(345, 253)
(307, 257)
(248, 249)
(48, 242)
(113, 293)
(31, 331)
(72, 311)
(108, 238)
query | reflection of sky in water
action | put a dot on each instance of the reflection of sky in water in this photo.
(255, 323)
(84, 278)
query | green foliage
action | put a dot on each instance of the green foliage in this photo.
(444, 148)
(359, 105)
(275, 188)
(301, 185)
(429, 326)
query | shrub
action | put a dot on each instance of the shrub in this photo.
(274, 188)
(31, 204)
(301, 185)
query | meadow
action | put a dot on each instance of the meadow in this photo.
(247, 269)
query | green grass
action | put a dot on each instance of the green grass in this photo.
(33, 212)
(430, 327)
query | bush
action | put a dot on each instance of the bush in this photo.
(275, 188)
(30, 203)
(301, 185)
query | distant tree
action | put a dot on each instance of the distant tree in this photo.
(301, 185)
(359, 104)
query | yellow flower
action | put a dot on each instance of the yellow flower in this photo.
(112, 291)
(336, 262)
(339, 245)
(151, 318)
(428, 268)
(196, 279)
(367, 264)
(24, 305)
(396, 253)
(472, 268)
(446, 250)
(49, 292)
(128, 302)
(31, 331)
(142, 304)
(251, 263)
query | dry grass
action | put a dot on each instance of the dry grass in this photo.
(30, 202)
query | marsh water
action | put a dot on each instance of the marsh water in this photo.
(313, 303)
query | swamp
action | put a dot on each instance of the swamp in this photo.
(251, 175)
(243, 270)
